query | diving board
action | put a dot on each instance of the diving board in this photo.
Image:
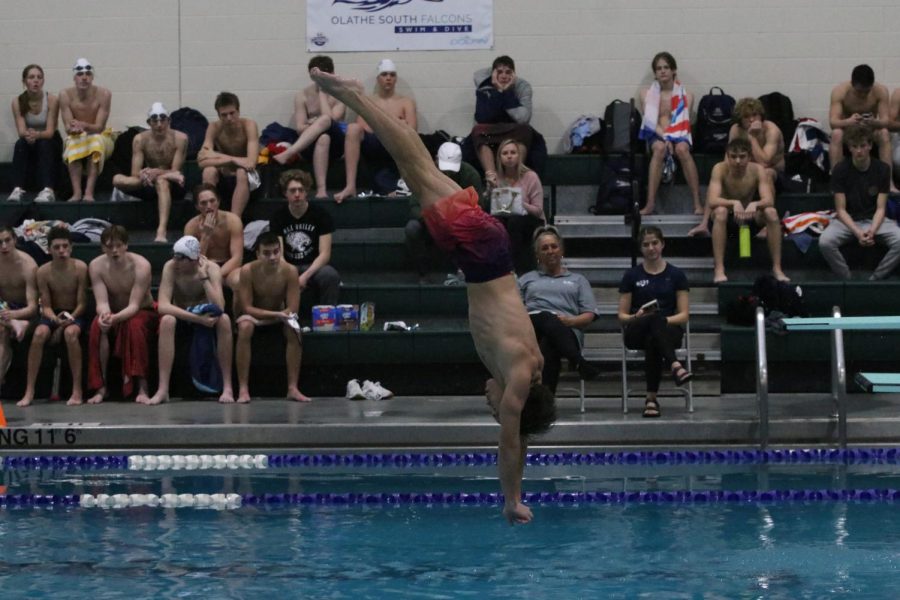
(891, 323)
(879, 383)
(836, 324)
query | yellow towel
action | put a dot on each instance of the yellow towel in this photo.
(97, 146)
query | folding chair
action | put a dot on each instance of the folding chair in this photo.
(683, 354)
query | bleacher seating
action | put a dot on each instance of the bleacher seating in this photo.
(439, 357)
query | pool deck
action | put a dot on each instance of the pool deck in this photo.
(438, 422)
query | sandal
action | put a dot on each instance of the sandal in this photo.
(651, 409)
(681, 375)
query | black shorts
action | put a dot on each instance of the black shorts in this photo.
(147, 193)
(733, 228)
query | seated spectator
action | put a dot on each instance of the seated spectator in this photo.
(361, 140)
(18, 295)
(62, 288)
(518, 181)
(741, 194)
(126, 320)
(859, 101)
(270, 295)
(502, 111)
(38, 148)
(561, 305)
(305, 231)
(894, 127)
(221, 235)
(157, 157)
(766, 139)
(449, 161)
(860, 184)
(667, 129)
(655, 327)
(191, 303)
(230, 151)
(318, 118)
(85, 110)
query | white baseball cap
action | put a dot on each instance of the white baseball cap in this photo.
(188, 246)
(387, 66)
(449, 157)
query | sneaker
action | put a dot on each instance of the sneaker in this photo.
(46, 195)
(354, 392)
(373, 391)
(15, 195)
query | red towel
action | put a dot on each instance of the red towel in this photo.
(131, 346)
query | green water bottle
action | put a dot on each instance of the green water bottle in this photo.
(744, 241)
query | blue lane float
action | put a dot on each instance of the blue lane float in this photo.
(149, 462)
(233, 501)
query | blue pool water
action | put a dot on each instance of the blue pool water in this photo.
(776, 549)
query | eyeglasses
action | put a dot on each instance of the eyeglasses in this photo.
(88, 70)
(545, 229)
(158, 118)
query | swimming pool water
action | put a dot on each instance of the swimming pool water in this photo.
(627, 550)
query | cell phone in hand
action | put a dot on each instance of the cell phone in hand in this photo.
(651, 306)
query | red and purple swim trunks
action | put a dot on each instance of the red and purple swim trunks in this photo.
(476, 241)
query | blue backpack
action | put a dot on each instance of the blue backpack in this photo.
(714, 116)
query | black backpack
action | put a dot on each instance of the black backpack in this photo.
(622, 122)
(191, 122)
(614, 196)
(714, 115)
(780, 110)
(782, 296)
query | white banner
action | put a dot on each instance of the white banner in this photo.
(362, 25)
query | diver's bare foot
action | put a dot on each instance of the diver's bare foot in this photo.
(142, 398)
(97, 398)
(74, 399)
(347, 192)
(698, 210)
(719, 277)
(25, 401)
(74, 199)
(243, 397)
(295, 394)
(648, 210)
(88, 199)
(161, 238)
(762, 234)
(321, 194)
(227, 397)
(281, 158)
(780, 276)
(699, 231)
(157, 398)
(335, 85)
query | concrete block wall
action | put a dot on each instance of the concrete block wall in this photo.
(578, 54)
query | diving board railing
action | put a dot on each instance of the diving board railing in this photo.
(836, 324)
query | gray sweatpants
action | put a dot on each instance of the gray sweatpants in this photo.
(837, 234)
